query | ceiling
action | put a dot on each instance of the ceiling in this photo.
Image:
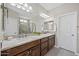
(50, 6)
(37, 9)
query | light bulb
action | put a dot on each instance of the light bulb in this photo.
(13, 4)
(21, 3)
(25, 21)
(25, 5)
(23, 8)
(30, 8)
(18, 6)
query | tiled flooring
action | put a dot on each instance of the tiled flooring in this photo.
(59, 52)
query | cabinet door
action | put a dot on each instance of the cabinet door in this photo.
(44, 48)
(44, 45)
(44, 51)
(35, 51)
(25, 53)
(51, 42)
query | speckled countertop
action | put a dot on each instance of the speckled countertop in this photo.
(7, 44)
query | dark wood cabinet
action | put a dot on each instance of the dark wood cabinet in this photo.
(35, 51)
(51, 42)
(24, 53)
(4, 53)
(20, 49)
(44, 51)
(44, 46)
(35, 48)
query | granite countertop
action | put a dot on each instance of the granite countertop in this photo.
(7, 44)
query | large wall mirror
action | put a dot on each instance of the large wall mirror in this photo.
(26, 26)
(23, 26)
(49, 26)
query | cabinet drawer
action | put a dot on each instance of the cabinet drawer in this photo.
(44, 39)
(18, 49)
(51, 42)
(25, 53)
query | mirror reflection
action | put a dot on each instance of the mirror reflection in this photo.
(19, 22)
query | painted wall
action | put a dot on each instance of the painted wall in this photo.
(78, 32)
(64, 8)
(11, 23)
(0, 20)
(1, 30)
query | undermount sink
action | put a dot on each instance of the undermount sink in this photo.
(16, 40)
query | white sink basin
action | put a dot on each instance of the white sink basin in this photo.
(16, 41)
(6, 44)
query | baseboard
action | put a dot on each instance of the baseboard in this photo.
(76, 53)
(56, 46)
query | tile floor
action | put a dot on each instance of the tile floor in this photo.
(59, 52)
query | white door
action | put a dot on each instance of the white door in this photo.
(68, 31)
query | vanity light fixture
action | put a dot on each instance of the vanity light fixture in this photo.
(13, 4)
(20, 3)
(18, 6)
(25, 21)
(21, 20)
(44, 15)
(26, 5)
(23, 6)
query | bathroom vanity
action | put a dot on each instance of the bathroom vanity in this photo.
(30, 46)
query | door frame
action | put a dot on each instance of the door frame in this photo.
(58, 30)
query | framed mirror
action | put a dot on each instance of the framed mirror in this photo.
(24, 26)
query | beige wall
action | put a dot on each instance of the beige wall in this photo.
(66, 8)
